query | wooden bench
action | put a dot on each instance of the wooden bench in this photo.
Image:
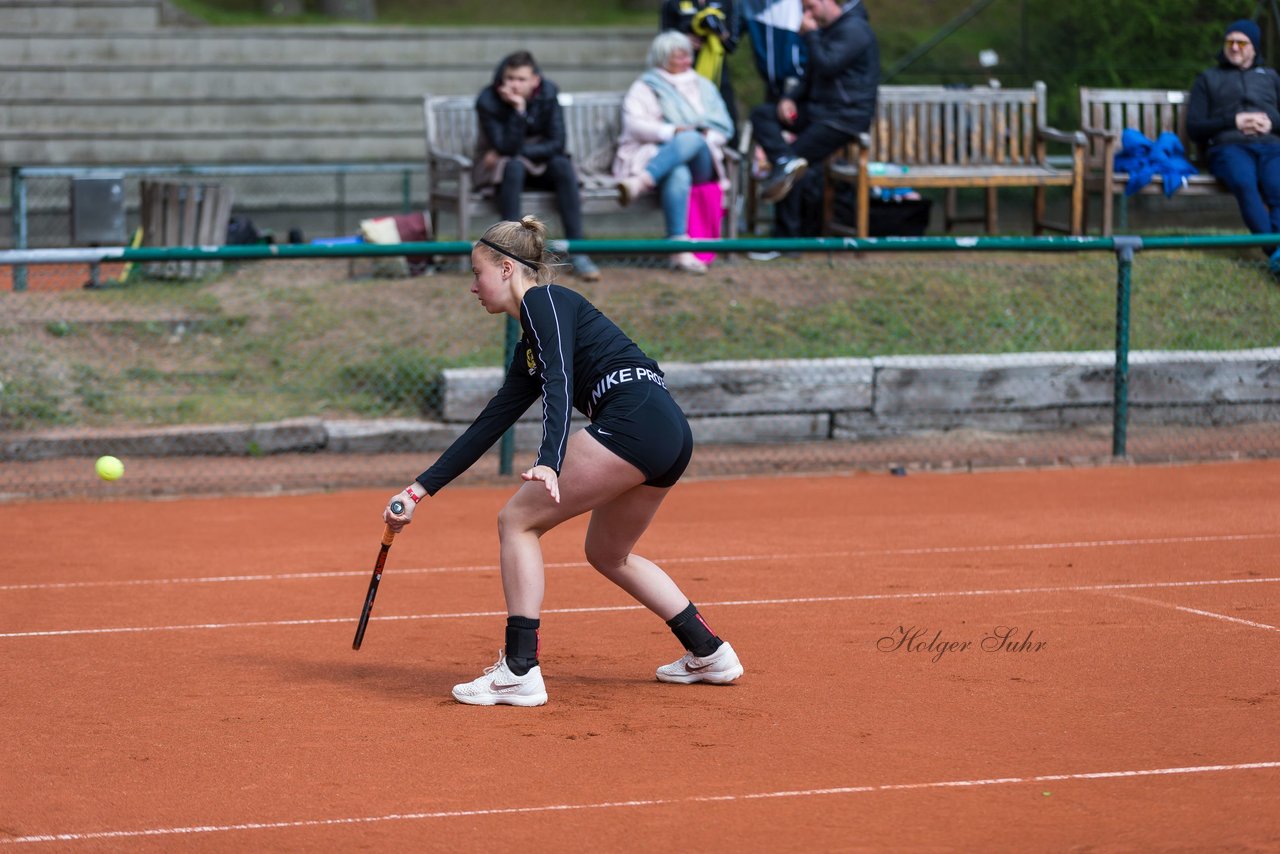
(957, 138)
(593, 121)
(1105, 114)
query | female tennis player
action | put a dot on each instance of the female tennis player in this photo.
(619, 467)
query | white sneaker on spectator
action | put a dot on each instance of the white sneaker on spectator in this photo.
(687, 262)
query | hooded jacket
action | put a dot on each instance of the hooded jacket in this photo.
(534, 136)
(841, 73)
(1221, 92)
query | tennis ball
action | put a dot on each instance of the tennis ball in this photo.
(109, 468)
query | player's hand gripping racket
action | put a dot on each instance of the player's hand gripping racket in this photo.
(397, 507)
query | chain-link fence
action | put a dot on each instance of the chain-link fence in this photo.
(330, 367)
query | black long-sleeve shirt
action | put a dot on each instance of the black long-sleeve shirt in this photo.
(568, 351)
(842, 72)
(537, 134)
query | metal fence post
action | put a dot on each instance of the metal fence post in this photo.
(18, 214)
(1125, 248)
(339, 226)
(507, 448)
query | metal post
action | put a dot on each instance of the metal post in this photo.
(507, 448)
(341, 181)
(18, 214)
(1125, 249)
(406, 179)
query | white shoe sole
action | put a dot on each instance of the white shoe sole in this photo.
(502, 699)
(720, 677)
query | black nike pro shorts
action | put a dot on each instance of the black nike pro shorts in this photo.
(640, 422)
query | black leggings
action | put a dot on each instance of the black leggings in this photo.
(560, 177)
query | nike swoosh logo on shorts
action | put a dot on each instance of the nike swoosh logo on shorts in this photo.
(603, 432)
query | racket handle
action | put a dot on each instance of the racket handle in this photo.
(397, 507)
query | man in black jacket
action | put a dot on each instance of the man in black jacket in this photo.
(833, 102)
(521, 145)
(1234, 116)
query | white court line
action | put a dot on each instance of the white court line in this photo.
(936, 550)
(804, 600)
(1196, 611)
(650, 802)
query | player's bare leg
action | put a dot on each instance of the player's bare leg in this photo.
(615, 527)
(592, 476)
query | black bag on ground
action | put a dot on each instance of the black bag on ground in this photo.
(242, 232)
(897, 218)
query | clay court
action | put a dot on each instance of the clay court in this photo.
(1070, 659)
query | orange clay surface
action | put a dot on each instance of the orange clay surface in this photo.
(178, 675)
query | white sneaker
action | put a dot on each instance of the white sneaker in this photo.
(719, 668)
(499, 686)
(687, 262)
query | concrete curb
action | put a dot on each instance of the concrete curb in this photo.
(788, 400)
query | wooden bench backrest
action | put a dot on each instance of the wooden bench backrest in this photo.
(592, 125)
(938, 126)
(1151, 111)
(592, 120)
(451, 124)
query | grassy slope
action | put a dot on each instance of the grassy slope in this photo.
(280, 339)
(275, 340)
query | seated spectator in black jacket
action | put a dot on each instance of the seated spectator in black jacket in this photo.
(832, 103)
(1234, 116)
(521, 145)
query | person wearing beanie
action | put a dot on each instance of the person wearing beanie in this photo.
(1234, 116)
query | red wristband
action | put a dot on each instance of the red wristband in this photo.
(413, 496)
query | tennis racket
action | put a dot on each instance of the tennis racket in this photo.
(388, 535)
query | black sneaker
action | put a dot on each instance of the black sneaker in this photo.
(783, 178)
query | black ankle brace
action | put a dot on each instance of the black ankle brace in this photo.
(522, 644)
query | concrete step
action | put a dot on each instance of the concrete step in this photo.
(26, 83)
(26, 16)
(273, 94)
(55, 118)
(338, 46)
(303, 145)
